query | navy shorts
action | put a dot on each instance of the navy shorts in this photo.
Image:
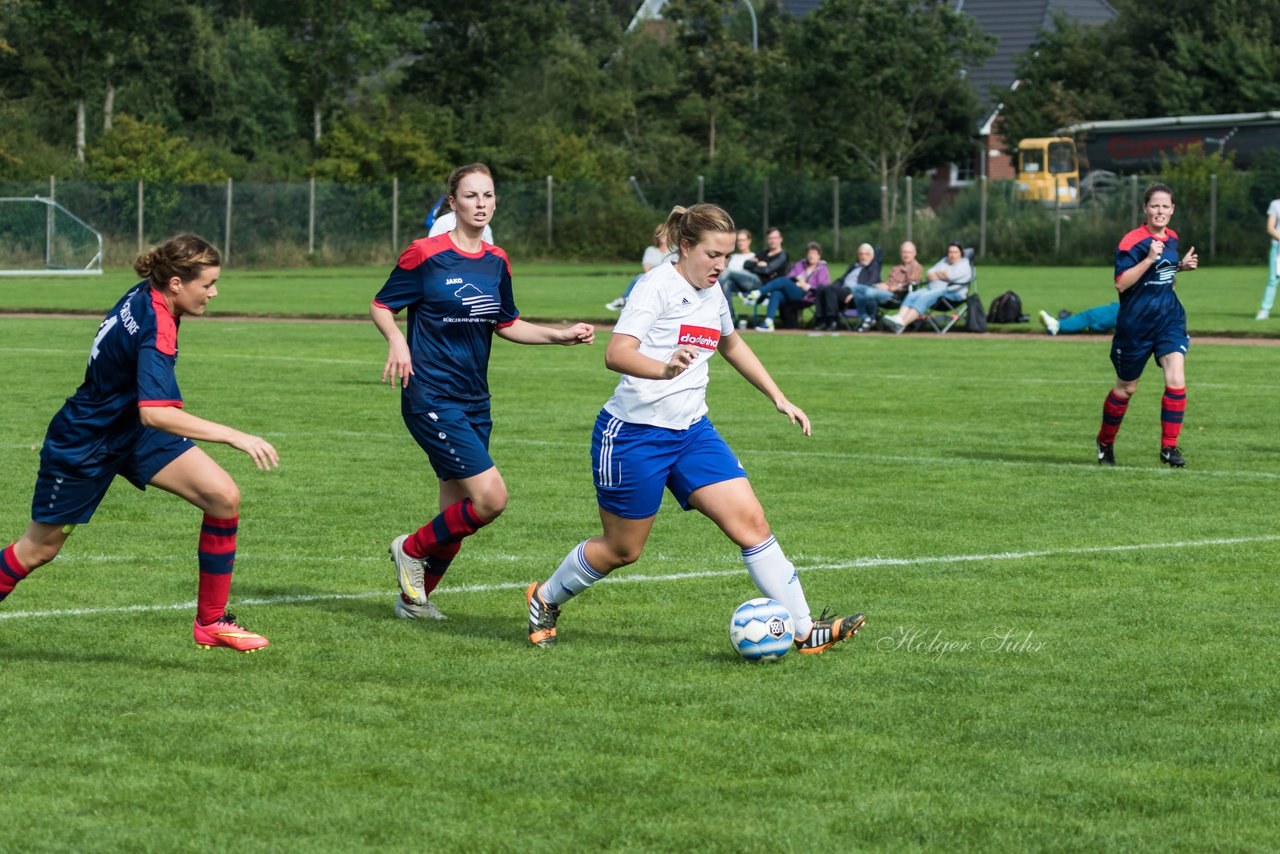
(633, 463)
(66, 497)
(456, 440)
(1130, 357)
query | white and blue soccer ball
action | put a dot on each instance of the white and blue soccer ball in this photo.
(761, 630)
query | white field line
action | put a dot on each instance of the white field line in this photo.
(859, 563)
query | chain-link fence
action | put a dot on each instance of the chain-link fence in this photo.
(292, 224)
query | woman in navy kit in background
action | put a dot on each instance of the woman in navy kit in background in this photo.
(457, 289)
(1151, 322)
(126, 418)
(653, 434)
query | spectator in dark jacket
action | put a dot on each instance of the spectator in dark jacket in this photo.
(758, 271)
(830, 300)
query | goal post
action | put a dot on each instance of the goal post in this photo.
(40, 237)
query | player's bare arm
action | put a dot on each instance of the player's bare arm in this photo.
(171, 419)
(399, 366)
(523, 332)
(744, 360)
(623, 355)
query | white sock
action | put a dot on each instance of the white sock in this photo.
(572, 577)
(777, 579)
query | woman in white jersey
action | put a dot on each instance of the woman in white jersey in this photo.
(654, 434)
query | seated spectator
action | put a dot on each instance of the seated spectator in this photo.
(830, 300)
(950, 277)
(757, 271)
(656, 254)
(868, 299)
(736, 264)
(1100, 318)
(795, 287)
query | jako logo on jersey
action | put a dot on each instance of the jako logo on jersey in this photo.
(454, 281)
(699, 336)
(478, 303)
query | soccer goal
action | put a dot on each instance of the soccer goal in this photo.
(39, 237)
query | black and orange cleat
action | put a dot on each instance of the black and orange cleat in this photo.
(827, 631)
(542, 617)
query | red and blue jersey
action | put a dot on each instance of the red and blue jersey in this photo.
(1150, 309)
(131, 364)
(456, 300)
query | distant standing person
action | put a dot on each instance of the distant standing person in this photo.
(654, 434)
(127, 419)
(1151, 322)
(655, 254)
(457, 289)
(1273, 262)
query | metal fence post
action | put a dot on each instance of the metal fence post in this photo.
(49, 224)
(1057, 218)
(140, 242)
(1213, 214)
(702, 187)
(983, 186)
(395, 214)
(1133, 202)
(911, 201)
(311, 219)
(835, 216)
(226, 232)
(550, 219)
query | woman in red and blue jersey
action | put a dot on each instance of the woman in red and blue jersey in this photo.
(127, 419)
(457, 289)
(1151, 322)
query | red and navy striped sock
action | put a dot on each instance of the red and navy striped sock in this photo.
(1113, 410)
(1172, 407)
(217, 556)
(11, 571)
(455, 523)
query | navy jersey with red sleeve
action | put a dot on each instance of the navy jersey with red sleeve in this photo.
(456, 300)
(131, 364)
(1150, 308)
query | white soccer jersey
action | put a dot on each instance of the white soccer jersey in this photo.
(665, 311)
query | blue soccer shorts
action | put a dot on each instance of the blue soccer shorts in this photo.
(64, 496)
(1130, 357)
(456, 440)
(633, 463)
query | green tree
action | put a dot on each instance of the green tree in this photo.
(134, 149)
(885, 88)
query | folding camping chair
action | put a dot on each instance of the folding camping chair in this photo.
(953, 305)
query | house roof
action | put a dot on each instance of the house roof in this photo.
(1014, 23)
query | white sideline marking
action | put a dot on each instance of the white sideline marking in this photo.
(859, 563)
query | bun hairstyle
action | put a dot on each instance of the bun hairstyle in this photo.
(456, 176)
(688, 225)
(185, 256)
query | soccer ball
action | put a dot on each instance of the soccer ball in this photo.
(761, 630)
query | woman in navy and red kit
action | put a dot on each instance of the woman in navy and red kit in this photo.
(127, 418)
(457, 289)
(1151, 322)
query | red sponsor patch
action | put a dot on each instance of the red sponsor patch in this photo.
(699, 336)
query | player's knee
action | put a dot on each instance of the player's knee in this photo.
(33, 554)
(223, 502)
(491, 504)
(623, 554)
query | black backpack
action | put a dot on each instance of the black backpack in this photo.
(975, 319)
(1006, 308)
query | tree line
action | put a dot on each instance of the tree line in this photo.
(355, 92)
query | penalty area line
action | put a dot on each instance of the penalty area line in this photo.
(859, 563)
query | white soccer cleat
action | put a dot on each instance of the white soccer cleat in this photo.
(1263, 315)
(408, 571)
(1049, 323)
(409, 611)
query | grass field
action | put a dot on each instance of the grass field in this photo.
(1057, 656)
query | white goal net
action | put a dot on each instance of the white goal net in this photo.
(39, 237)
